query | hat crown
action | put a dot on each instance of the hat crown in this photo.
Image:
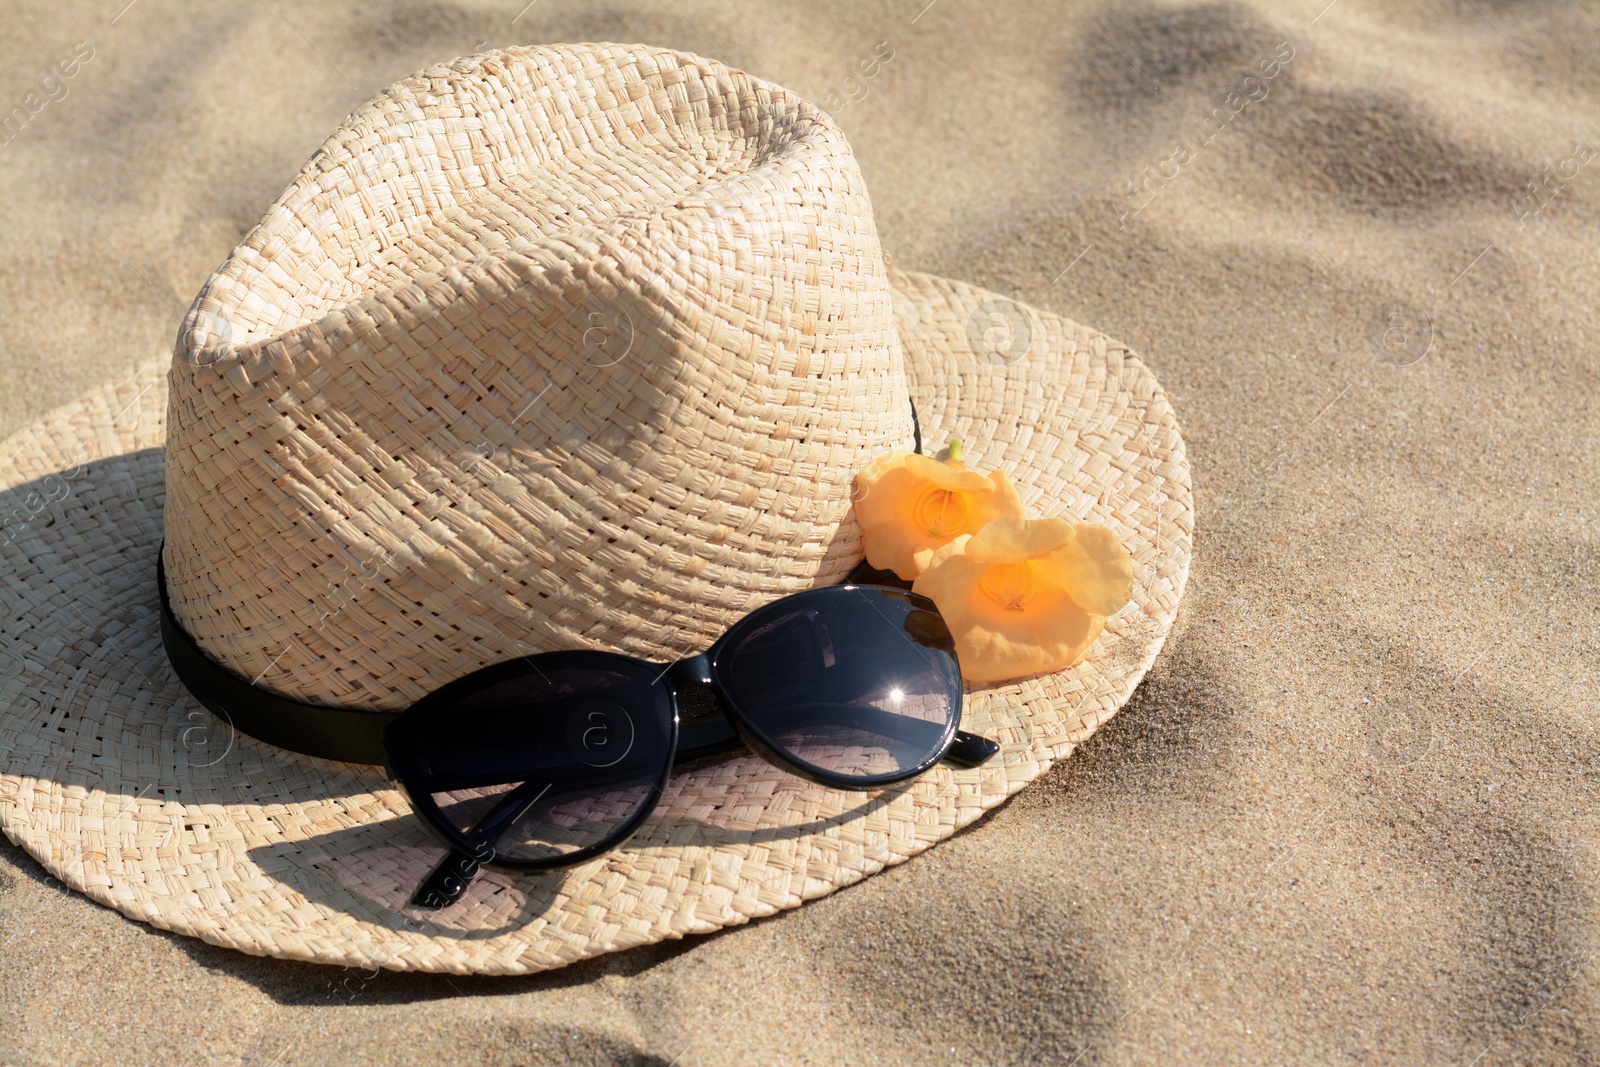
(557, 347)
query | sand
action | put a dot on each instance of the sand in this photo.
(1351, 816)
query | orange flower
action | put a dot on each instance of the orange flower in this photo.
(1025, 596)
(909, 506)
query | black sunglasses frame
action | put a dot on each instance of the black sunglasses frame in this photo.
(689, 741)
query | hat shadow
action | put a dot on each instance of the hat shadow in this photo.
(378, 866)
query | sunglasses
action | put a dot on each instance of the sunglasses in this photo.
(546, 761)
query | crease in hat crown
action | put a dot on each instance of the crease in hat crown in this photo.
(570, 346)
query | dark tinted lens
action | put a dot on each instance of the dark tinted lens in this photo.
(855, 683)
(537, 763)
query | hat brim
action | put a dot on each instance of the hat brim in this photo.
(125, 789)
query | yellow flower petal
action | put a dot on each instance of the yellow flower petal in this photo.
(1005, 501)
(1094, 569)
(1012, 540)
(909, 506)
(947, 475)
(950, 575)
(1025, 596)
(996, 642)
(882, 496)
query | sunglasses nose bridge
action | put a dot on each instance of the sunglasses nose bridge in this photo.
(696, 670)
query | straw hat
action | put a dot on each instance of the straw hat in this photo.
(545, 348)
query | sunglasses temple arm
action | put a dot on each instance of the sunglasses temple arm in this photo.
(971, 750)
(449, 881)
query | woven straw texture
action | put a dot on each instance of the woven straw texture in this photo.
(546, 348)
(124, 788)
